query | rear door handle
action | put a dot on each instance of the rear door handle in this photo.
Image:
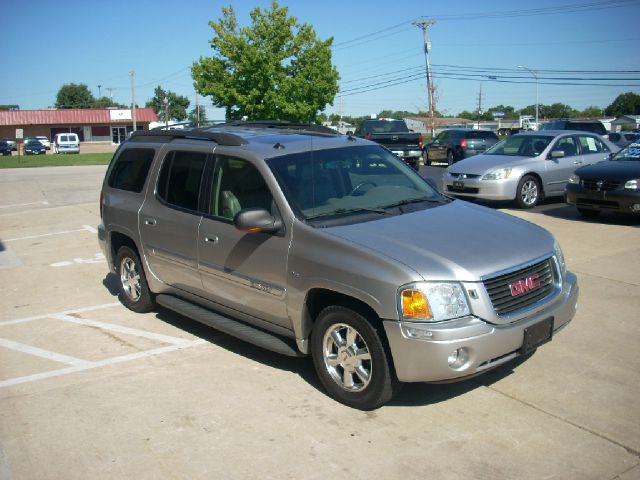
(211, 239)
(578, 162)
(150, 221)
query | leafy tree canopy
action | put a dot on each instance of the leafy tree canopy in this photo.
(72, 95)
(624, 104)
(176, 107)
(276, 68)
(106, 102)
(195, 116)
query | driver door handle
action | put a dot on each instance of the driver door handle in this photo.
(150, 221)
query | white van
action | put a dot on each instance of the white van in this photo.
(66, 143)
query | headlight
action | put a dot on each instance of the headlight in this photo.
(574, 178)
(560, 257)
(632, 184)
(432, 301)
(500, 174)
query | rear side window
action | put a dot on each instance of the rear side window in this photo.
(591, 145)
(180, 179)
(130, 169)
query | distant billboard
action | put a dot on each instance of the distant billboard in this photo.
(497, 114)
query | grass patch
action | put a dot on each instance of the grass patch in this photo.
(49, 160)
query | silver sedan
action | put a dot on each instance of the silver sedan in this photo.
(526, 167)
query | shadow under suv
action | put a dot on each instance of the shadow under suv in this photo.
(307, 242)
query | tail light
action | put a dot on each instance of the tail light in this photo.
(420, 141)
(463, 142)
(368, 137)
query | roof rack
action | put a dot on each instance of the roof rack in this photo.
(221, 138)
(278, 124)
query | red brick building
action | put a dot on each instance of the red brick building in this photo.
(91, 124)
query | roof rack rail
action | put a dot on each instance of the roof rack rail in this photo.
(278, 124)
(221, 138)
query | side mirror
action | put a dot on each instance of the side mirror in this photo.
(256, 220)
(556, 154)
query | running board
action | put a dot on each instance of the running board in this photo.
(237, 329)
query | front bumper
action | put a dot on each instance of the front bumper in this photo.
(487, 345)
(620, 200)
(477, 188)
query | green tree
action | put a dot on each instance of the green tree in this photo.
(72, 95)
(591, 112)
(624, 104)
(106, 102)
(195, 118)
(276, 68)
(176, 107)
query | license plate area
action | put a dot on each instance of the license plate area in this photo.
(536, 335)
(457, 184)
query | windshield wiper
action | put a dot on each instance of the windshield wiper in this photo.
(342, 211)
(402, 203)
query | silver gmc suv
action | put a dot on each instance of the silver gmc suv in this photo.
(306, 242)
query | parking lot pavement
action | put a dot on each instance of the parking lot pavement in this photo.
(89, 389)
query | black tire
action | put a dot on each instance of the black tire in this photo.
(450, 158)
(357, 381)
(529, 192)
(586, 213)
(133, 289)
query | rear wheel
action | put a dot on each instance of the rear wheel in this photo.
(350, 359)
(450, 158)
(132, 283)
(528, 193)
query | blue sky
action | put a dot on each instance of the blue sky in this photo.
(47, 44)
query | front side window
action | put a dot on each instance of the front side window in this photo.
(567, 145)
(180, 179)
(130, 169)
(237, 185)
(343, 184)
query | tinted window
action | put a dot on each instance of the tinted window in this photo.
(480, 134)
(567, 145)
(180, 178)
(237, 185)
(130, 169)
(385, 126)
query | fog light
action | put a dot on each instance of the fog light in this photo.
(458, 358)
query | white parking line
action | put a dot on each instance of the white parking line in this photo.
(16, 205)
(77, 364)
(120, 329)
(30, 237)
(102, 363)
(39, 352)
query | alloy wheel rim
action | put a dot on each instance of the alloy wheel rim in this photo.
(130, 278)
(529, 192)
(347, 357)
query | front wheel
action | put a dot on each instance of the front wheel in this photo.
(450, 158)
(132, 283)
(528, 193)
(350, 359)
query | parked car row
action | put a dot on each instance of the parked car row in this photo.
(38, 145)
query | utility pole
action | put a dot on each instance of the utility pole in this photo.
(479, 105)
(197, 110)
(424, 26)
(110, 90)
(99, 95)
(132, 74)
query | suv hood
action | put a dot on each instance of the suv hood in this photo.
(457, 241)
(480, 164)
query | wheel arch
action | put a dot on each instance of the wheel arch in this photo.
(540, 182)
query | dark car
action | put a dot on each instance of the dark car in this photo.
(12, 143)
(34, 147)
(593, 126)
(622, 139)
(5, 148)
(612, 186)
(455, 144)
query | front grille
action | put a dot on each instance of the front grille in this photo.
(465, 176)
(451, 188)
(500, 288)
(605, 186)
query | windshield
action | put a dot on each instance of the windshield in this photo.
(350, 182)
(628, 154)
(521, 146)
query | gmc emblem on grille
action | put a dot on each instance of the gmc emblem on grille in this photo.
(524, 285)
